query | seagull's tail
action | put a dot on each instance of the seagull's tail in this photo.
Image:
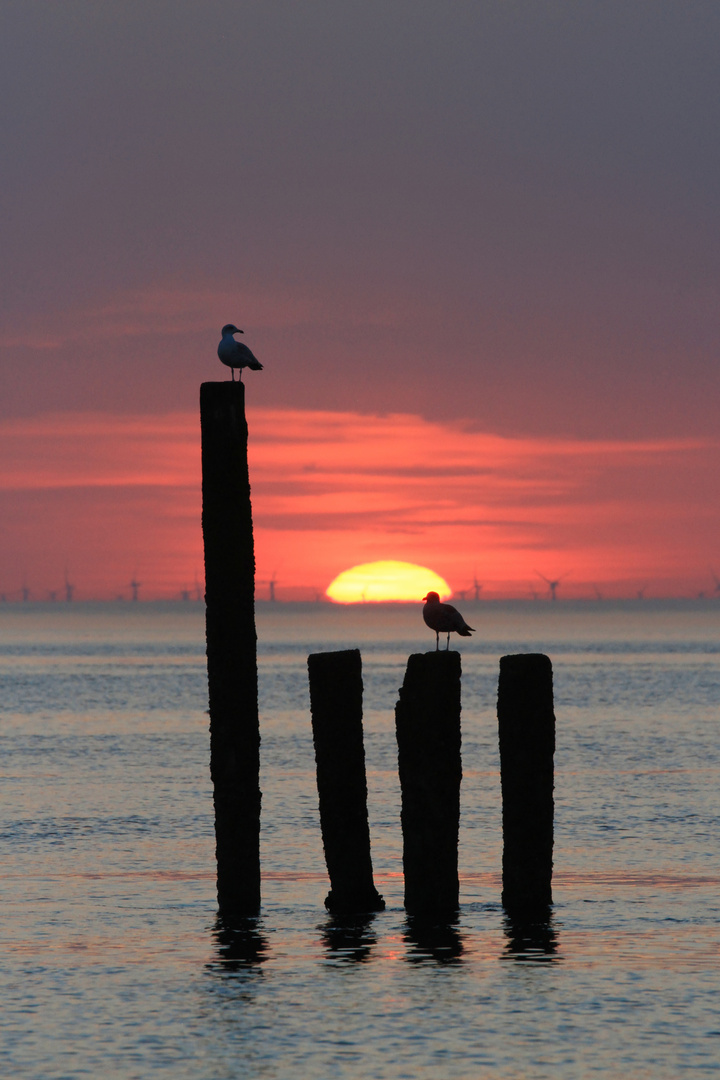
(254, 365)
(465, 632)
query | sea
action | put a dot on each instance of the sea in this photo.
(114, 963)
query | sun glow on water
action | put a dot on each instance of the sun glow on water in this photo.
(386, 580)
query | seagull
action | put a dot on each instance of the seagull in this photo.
(443, 619)
(234, 353)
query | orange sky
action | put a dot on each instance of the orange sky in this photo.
(111, 497)
(472, 245)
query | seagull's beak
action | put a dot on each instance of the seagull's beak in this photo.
(424, 599)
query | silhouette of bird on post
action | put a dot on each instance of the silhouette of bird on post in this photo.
(234, 354)
(443, 619)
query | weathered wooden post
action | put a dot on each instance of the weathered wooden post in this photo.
(526, 723)
(231, 646)
(427, 720)
(336, 705)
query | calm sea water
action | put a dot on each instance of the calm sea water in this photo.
(112, 963)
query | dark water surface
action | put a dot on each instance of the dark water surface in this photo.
(113, 965)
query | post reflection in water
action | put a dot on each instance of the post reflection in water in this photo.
(430, 940)
(238, 946)
(531, 937)
(349, 938)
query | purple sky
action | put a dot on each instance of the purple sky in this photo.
(502, 211)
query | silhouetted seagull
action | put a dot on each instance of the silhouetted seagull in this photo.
(234, 353)
(443, 619)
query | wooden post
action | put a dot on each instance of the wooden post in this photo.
(231, 646)
(336, 705)
(427, 719)
(526, 723)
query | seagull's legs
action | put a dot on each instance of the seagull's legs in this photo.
(437, 640)
(448, 642)
(232, 372)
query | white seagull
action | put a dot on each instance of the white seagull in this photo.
(443, 619)
(234, 353)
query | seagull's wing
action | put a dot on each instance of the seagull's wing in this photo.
(246, 358)
(455, 621)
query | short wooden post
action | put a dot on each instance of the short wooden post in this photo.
(427, 719)
(231, 646)
(526, 723)
(336, 705)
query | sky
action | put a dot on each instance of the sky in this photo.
(474, 245)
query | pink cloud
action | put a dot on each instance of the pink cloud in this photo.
(113, 496)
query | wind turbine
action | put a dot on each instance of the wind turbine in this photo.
(135, 586)
(271, 587)
(69, 589)
(552, 584)
(641, 591)
(477, 587)
(716, 579)
(25, 592)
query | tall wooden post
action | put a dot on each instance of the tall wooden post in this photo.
(526, 723)
(336, 704)
(231, 646)
(427, 719)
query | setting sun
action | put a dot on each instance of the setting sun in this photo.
(386, 580)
